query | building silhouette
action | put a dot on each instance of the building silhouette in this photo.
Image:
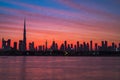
(40, 48)
(91, 45)
(69, 48)
(65, 44)
(46, 45)
(43, 47)
(62, 47)
(21, 45)
(75, 48)
(106, 45)
(54, 46)
(81, 47)
(31, 46)
(24, 36)
(72, 49)
(6, 44)
(96, 47)
(15, 46)
(78, 46)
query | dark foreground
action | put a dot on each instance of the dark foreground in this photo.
(59, 53)
(59, 68)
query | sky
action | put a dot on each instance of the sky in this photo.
(60, 20)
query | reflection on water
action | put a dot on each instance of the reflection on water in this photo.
(59, 68)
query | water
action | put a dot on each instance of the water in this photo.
(59, 68)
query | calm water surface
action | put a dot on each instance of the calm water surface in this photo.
(59, 68)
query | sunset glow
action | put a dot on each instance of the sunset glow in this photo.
(60, 20)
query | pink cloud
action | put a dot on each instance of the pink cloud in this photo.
(52, 23)
(89, 10)
(42, 25)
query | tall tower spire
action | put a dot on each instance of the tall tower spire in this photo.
(24, 35)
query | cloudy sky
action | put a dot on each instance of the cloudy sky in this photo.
(59, 20)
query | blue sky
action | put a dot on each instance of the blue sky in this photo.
(61, 19)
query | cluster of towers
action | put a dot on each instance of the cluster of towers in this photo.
(6, 45)
(77, 47)
(87, 46)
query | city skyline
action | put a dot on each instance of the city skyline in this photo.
(60, 39)
(60, 20)
(64, 49)
(65, 46)
(23, 45)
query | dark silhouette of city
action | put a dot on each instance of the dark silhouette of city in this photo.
(66, 49)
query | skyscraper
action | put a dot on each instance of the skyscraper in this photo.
(78, 45)
(106, 45)
(31, 46)
(65, 44)
(46, 45)
(6, 44)
(24, 35)
(15, 45)
(96, 47)
(62, 47)
(21, 48)
(91, 46)
(3, 43)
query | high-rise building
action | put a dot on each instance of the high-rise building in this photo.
(24, 35)
(78, 45)
(96, 47)
(71, 46)
(31, 46)
(56, 46)
(87, 47)
(3, 43)
(113, 46)
(65, 44)
(81, 47)
(91, 46)
(21, 45)
(15, 45)
(46, 43)
(62, 47)
(53, 45)
(68, 48)
(9, 43)
(102, 46)
(6, 44)
(106, 45)
(75, 48)
(40, 48)
(84, 46)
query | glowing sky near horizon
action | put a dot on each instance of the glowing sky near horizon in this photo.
(59, 20)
